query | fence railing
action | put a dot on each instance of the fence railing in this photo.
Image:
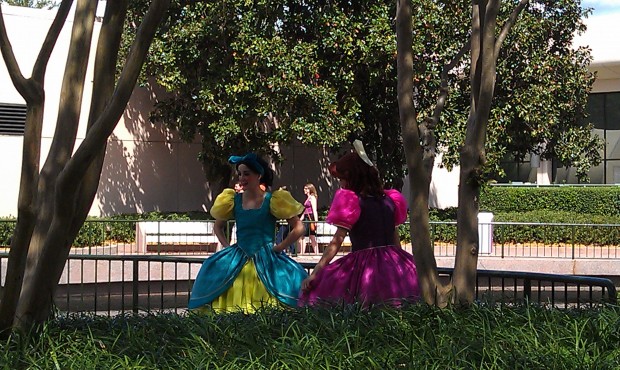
(535, 240)
(109, 285)
(498, 239)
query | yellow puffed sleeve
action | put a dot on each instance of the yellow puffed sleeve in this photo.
(284, 206)
(224, 205)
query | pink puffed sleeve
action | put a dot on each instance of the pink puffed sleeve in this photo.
(345, 209)
(400, 212)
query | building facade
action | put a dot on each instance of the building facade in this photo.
(603, 109)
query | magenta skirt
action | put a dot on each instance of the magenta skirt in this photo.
(369, 276)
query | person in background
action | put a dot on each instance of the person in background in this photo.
(238, 188)
(377, 270)
(252, 272)
(310, 214)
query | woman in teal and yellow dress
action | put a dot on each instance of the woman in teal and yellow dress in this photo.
(251, 272)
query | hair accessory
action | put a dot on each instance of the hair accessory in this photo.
(359, 149)
(250, 160)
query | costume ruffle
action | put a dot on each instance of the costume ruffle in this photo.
(400, 212)
(345, 208)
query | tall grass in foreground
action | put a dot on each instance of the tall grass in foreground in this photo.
(415, 337)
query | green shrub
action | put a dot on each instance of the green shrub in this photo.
(7, 225)
(444, 232)
(403, 233)
(527, 228)
(554, 234)
(447, 214)
(96, 230)
(91, 234)
(587, 200)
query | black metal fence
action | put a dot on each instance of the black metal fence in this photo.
(496, 239)
(109, 285)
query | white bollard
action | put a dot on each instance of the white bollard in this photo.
(485, 232)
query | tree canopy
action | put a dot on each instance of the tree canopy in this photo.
(250, 75)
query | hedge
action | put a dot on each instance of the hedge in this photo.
(96, 231)
(563, 204)
(604, 200)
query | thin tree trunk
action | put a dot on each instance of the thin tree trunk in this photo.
(484, 20)
(35, 307)
(485, 49)
(103, 89)
(64, 137)
(32, 90)
(432, 290)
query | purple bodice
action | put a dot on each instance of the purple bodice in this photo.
(375, 226)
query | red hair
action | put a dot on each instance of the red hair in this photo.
(360, 177)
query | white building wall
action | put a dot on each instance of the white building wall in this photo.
(146, 168)
(602, 38)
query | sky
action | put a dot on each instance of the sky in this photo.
(602, 7)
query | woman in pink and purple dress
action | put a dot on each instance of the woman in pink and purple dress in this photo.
(377, 270)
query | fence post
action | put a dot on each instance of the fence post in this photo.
(527, 290)
(485, 232)
(135, 286)
(573, 241)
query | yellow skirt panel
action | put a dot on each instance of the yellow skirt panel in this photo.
(247, 293)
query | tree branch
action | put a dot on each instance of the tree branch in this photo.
(508, 25)
(19, 81)
(40, 65)
(444, 89)
(97, 137)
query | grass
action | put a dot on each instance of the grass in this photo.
(414, 337)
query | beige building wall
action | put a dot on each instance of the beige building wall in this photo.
(146, 167)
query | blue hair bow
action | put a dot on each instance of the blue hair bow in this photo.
(250, 159)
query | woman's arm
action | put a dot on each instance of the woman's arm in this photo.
(219, 231)
(330, 252)
(296, 231)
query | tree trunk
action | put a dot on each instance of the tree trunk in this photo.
(32, 90)
(419, 179)
(35, 307)
(27, 216)
(63, 141)
(484, 20)
(103, 89)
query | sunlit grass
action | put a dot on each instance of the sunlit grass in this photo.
(414, 337)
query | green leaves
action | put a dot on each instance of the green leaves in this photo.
(242, 77)
(248, 75)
